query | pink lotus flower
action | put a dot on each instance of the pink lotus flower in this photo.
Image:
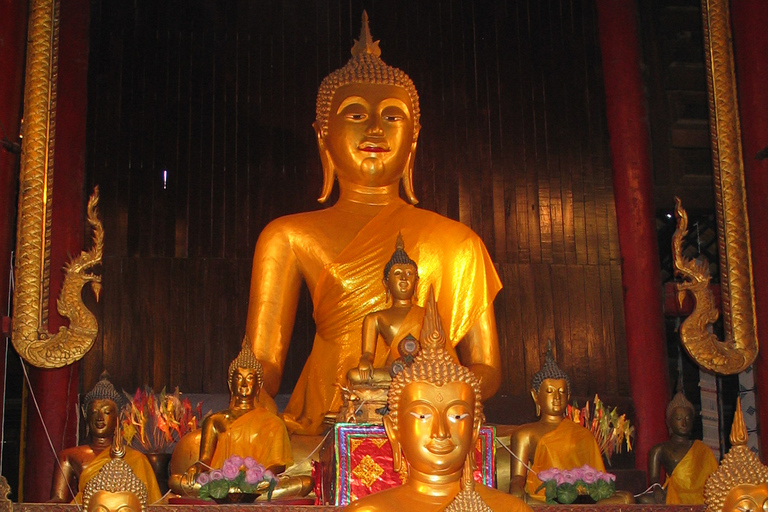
(547, 474)
(229, 470)
(216, 474)
(269, 475)
(236, 460)
(569, 477)
(589, 474)
(203, 478)
(559, 478)
(250, 462)
(254, 475)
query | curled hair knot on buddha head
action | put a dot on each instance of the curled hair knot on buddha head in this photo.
(104, 390)
(365, 67)
(433, 364)
(550, 370)
(399, 257)
(679, 400)
(740, 466)
(246, 359)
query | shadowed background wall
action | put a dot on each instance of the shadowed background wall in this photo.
(199, 134)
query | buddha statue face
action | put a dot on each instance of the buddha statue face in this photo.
(552, 397)
(105, 501)
(680, 421)
(102, 418)
(435, 426)
(244, 383)
(371, 136)
(747, 498)
(401, 281)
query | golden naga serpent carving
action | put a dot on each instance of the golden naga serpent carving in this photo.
(705, 348)
(32, 269)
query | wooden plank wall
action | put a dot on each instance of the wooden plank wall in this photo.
(199, 133)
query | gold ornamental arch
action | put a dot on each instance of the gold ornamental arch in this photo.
(32, 269)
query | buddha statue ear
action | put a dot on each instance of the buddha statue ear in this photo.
(535, 397)
(394, 440)
(325, 159)
(408, 171)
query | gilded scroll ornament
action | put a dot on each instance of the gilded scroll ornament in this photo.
(726, 357)
(32, 269)
(730, 203)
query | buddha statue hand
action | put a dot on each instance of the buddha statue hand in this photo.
(365, 367)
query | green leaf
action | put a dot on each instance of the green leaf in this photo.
(567, 493)
(219, 488)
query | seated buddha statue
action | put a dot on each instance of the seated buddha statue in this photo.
(115, 488)
(245, 429)
(390, 336)
(740, 483)
(553, 441)
(77, 465)
(687, 462)
(367, 128)
(433, 423)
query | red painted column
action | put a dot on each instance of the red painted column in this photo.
(57, 390)
(750, 45)
(632, 184)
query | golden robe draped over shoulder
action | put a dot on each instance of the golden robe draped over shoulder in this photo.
(139, 464)
(257, 433)
(569, 446)
(450, 257)
(685, 486)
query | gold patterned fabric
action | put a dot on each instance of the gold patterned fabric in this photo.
(569, 446)
(685, 486)
(139, 464)
(451, 257)
(259, 434)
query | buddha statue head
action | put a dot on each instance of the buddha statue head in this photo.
(101, 408)
(401, 274)
(367, 122)
(740, 483)
(245, 375)
(115, 487)
(434, 408)
(680, 415)
(550, 388)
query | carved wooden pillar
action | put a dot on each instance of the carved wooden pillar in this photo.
(57, 390)
(632, 184)
(750, 44)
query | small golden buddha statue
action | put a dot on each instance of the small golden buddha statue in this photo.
(553, 441)
(433, 423)
(398, 325)
(687, 462)
(367, 128)
(115, 488)
(243, 429)
(101, 407)
(740, 483)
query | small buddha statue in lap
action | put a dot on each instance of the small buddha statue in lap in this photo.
(115, 488)
(687, 462)
(554, 441)
(367, 127)
(433, 423)
(77, 465)
(244, 429)
(740, 483)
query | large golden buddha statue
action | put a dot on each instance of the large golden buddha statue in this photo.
(77, 465)
(553, 441)
(740, 483)
(367, 128)
(433, 423)
(687, 462)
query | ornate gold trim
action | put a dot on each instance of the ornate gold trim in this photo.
(32, 268)
(740, 347)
